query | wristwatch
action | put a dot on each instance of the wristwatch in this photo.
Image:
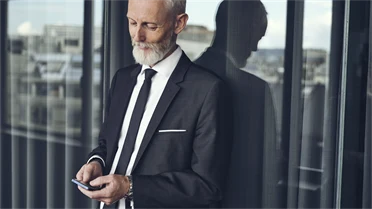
(129, 195)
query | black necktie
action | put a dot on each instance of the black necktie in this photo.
(135, 122)
(132, 132)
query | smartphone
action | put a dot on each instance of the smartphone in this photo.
(86, 186)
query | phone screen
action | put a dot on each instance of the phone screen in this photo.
(85, 186)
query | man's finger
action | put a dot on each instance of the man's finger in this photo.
(87, 173)
(101, 180)
(79, 175)
(85, 192)
(97, 195)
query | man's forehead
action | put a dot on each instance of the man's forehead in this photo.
(145, 4)
(153, 10)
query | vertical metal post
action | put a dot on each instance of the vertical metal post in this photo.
(118, 47)
(87, 79)
(292, 93)
(341, 124)
(121, 47)
(332, 106)
(3, 68)
(105, 73)
(367, 176)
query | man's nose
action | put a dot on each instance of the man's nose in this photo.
(139, 34)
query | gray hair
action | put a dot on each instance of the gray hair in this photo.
(176, 6)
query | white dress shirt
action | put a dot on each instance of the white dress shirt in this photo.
(164, 70)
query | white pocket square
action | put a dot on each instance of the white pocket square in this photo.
(172, 130)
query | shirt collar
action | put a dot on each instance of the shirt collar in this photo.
(167, 65)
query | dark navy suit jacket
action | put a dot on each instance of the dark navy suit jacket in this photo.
(181, 169)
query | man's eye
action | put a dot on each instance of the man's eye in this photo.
(151, 26)
(133, 23)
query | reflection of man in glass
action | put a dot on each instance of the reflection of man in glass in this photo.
(240, 25)
(252, 180)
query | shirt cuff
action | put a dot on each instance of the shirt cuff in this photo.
(97, 157)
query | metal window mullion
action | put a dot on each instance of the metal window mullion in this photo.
(341, 124)
(3, 68)
(87, 78)
(327, 194)
(118, 47)
(105, 73)
(292, 92)
(367, 178)
(120, 40)
(367, 175)
(367, 195)
(3, 60)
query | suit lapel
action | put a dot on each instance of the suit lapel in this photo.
(123, 91)
(170, 92)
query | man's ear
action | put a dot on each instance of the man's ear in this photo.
(180, 23)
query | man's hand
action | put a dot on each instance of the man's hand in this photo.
(116, 188)
(89, 172)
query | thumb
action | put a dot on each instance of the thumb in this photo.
(100, 181)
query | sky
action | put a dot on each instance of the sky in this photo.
(29, 16)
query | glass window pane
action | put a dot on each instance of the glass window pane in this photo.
(44, 101)
(315, 170)
(243, 43)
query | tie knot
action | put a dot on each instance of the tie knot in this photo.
(149, 73)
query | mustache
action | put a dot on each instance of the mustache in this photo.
(142, 44)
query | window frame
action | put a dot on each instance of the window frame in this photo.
(292, 113)
(3, 64)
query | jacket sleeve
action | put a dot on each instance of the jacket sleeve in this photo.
(202, 184)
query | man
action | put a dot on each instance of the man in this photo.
(253, 174)
(178, 144)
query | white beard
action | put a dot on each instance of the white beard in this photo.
(154, 54)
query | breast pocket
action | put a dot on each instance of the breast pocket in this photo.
(175, 134)
(171, 130)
